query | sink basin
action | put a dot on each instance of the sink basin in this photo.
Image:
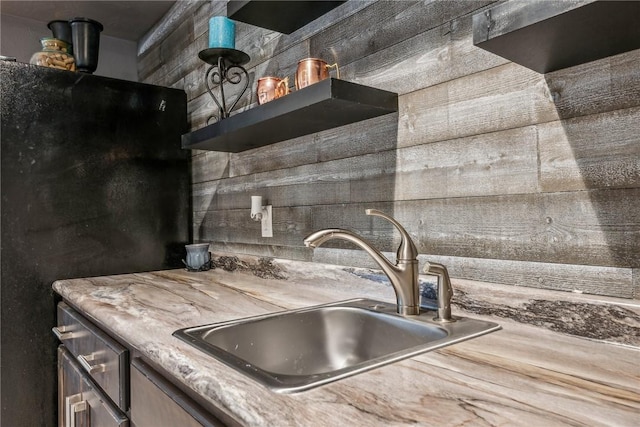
(296, 350)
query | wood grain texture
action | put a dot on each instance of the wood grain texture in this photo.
(172, 48)
(596, 87)
(596, 151)
(599, 227)
(501, 19)
(504, 162)
(262, 44)
(486, 160)
(436, 55)
(504, 97)
(588, 279)
(383, 26)
(492, 164)
(209, 166)
(511, 96)
(568, 228)
(612, 281)
(366, 137)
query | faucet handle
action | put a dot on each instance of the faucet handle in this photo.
(407, 250)
(444, 291)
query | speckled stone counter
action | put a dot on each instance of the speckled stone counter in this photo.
(561, 359)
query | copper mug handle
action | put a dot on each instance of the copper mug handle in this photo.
(312, 70)
(282, 88)
(270, 88)
(335, 65)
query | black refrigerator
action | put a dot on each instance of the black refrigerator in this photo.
(93, 182)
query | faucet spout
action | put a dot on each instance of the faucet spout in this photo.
(403, 275)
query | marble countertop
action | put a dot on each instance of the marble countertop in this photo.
(561, 359)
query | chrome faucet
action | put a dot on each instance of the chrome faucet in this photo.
(403, 275)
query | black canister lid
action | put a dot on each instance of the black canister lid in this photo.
(90, 21)
(56, 20)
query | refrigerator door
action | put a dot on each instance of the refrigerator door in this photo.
(94, 182)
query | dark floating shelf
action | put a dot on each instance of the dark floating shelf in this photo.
(548, 35)
(321, 106)
(282, 16)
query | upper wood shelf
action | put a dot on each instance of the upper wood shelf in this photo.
(282, 16)
(321, 106)
(548, 35)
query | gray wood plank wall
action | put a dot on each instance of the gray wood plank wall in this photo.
(503, 174)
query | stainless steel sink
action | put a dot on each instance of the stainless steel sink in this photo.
(297, 350)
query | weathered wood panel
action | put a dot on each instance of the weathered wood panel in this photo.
(503, 162)
(288, 187)
(504, 97)
(504, 174)
(440, 54)
(511, 96)
(492, 164)
(610, 281)
(209, 166)
(393, 48)
(596, 87)
(290, 226)
(597, 151)
(599, 227)
(156, 62)
(365, 137)
(168, 47)
(591, 152)
(237, 194)
(590, 228)
(383, 25)
(265, 44)
(512, 16)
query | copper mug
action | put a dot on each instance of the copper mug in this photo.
(270, 88)
(313, 70)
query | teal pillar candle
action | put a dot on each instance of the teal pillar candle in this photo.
(222, 32)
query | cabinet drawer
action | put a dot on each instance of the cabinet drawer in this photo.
(104, 359)
(81, 402)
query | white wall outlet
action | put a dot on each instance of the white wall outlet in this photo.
(267, 223)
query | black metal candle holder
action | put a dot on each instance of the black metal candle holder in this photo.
(226, 67)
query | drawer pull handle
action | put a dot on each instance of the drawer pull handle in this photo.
(92, 369)
(62, 333)
(73, 405)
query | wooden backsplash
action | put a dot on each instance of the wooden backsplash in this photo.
(503, 174)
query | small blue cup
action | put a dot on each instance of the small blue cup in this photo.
(198, 257)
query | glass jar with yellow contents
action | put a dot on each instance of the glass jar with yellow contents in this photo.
(54, 54)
